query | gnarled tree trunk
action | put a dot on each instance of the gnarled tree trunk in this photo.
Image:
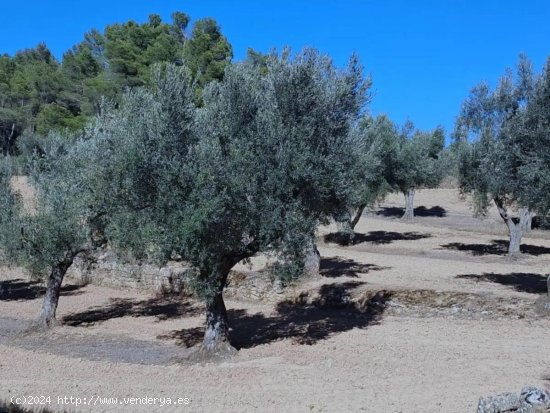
(215, 343)
(409, 204)
(46, 318)
(515, 227)
(216, 336)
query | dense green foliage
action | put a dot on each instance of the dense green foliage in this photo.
(40, 94)
(387, 160)
(490, 164)
(52, 225)
(33, 94)
(530, 132)
(207, 53)
(255, 168)
(418, 164)
(505, 160)
(372, 172)
(46, 233)
(260, 151)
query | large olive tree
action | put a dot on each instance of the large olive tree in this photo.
(255, 169)
(530, 132)
(494, 140)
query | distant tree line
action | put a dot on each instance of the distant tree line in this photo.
(39, 94)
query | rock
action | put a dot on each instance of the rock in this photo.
(278, 286)
(505, 402)
(534, 400)
(252, 285)
(530, 400)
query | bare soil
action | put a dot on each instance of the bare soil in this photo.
(427, 315)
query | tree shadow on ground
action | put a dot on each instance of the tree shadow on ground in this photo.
(161, 308)
(496, 247)
(520, 281)
(421, 211)
(13, 290)
(334, 267)
(374, 237)
(302, 321)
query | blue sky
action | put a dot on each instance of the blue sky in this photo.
(423, 55)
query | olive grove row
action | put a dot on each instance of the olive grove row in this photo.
(275, 148)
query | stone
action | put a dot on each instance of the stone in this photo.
(530, 400)
(534, 400)
(278, 286)
(505, 402)
(103, 268)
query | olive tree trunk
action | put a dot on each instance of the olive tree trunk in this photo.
(357, 216)
(216, 336)
(312, 260)
(215, 343)
(516, 233)
(409, 204)
(515, 228)
(526, 219)
(46, 318)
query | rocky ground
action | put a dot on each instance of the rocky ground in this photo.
(423, 316)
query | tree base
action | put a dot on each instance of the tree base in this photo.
(44, 324)
(409, 205)
(41, 326)
(217, 352)
(542, 306)
(514, 256)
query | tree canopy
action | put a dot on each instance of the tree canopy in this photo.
(47, 233)
(207, 53)
(419, 163)
(254, 169)
(503, 161)
(372, 174)
(530, 137)
(40, 94)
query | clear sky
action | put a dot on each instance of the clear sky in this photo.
(423, 55)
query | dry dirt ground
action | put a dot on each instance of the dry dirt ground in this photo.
(412, 317)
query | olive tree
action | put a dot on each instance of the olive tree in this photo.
(418, 163)
(45, 234)
(530, 136)
(491, 165)
(372, 173)
(255, 169)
